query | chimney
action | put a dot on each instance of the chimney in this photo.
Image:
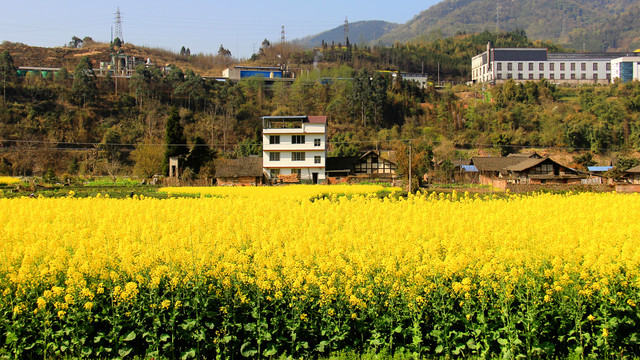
(488, 46)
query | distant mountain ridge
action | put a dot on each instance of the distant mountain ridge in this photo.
(359, 32)
(590, 25)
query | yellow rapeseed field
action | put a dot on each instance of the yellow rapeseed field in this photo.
(282, 271)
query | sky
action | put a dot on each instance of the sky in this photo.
(202, 26)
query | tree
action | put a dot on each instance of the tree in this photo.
(8, 72)
(200, 153)
(147, 157)
(224, 52)
(117, 42)
(144, 82)
(175, 141)
(84, 87)
(187, 52)
(75, 42)
(183, 51)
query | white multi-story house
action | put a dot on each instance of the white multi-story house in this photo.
(295, 145)
(497, 65)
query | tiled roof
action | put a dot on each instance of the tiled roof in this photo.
(634, 170)
(246, 166)
(494, 163)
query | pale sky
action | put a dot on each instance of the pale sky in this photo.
(199, 25)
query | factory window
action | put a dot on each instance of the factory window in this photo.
(608, 67)
(499, 67)
(520, 77)
(561, 66)
(551, 76)
(583, 66)
(530, 66)
(540, 76)
(509, 76)
(608, 76)
(520, 67)
(573, 66)
(530, 76)
(499, 76)
(595, 76)
(541, 66)
(552, 66)
(595, 66)
(509, 66)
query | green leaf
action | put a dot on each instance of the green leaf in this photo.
(124, 352)
(130, 337)
(247, 352)
(188, 354)
(579, 350)
(164, 337)
(87, 351)
(322, 345)
(503, 342)
(270, 352)
(398, 330)
(439, 349)
(97, 339)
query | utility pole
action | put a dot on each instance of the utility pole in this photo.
(282, 35)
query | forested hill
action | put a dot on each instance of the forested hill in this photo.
(360, 32)
(594, 25)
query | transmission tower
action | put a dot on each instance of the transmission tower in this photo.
(282, 35)
(498, 8)
(118, 18)
(346, 31)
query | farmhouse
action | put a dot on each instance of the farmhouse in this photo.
(524, 169)
(370, 165)
(245, 171)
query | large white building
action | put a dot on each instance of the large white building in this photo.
(295, 145)
(626, 68)
(497, 65)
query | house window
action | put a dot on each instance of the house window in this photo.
(541, 66)
(317, 142)
(520, 77)
(608, 67)
(297, 139)
(530, 76)
(273, 173)
(274, 156)
(520, 67)
(274, 139)
(499, 66)
(297, 156)
(509, 66)
(561, 66)
(552, 76)
(583, 76)
(583, 66)
(530, 66)
(562, 76)
(552, 66)
(595, 76)
(573, 66)
(573, 76)
(297, 172)
(540, 76)
(499, 76)
(509, 76)
(595, 66)
(317, 159)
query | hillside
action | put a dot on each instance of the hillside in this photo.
(25, 55)
(592, 25)
(360, 32)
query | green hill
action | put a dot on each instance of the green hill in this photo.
(592, 25)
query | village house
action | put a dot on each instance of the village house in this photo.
(524, 169)
(246, 171)
(371, 165)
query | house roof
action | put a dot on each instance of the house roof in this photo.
(246, 166)
(526, 155)
(493, 163)
(525, 164)
(469, 168)
(600, 168)
(309, 119)
(343, 163)
(460, 162)
(634, 170)
(317, 119)
(377, 153)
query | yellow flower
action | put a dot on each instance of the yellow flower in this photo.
(42, 303)
(61, 314)
(591, 318)
(165, 304)
(88, 305)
